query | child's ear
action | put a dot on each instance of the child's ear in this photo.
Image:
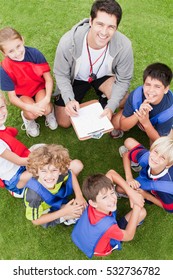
(166, 89)
(168, 166)
(92, 203)
(23, 40)
(2, 53)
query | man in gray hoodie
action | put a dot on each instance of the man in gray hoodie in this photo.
(93, 54)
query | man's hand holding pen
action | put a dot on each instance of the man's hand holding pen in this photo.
(72, 108)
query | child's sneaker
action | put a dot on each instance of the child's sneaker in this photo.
(16, 194)
(70, 222)
(116, 133)
(122, 150)
(51, 121)
(135, 166)
(31, 127)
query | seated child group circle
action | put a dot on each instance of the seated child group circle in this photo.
(44, 175)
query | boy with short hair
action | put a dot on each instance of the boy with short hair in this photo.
(149, 106)
(155, 180)
(97, 232)
(46, 194)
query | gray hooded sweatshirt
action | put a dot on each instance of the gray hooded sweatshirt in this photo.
(68, 56)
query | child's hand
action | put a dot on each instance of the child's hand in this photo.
(80, 200)
(72, 210)
(36, 110)
(133, 184)
(145, 107)
(43, 103)
(144, 193)
(143, 117)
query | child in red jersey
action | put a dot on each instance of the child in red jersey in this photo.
(13, 156)
(25, 75)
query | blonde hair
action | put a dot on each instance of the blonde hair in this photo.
(8, 33)
(53, 154)
(164, 146)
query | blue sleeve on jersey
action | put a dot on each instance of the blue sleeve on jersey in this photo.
(164, 128)
(6, 82)
(128, 107)
(34, 55)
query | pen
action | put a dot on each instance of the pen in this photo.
(74, 108)
(99, 130)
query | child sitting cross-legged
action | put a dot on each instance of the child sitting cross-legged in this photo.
(25, 75)
(13, 156)
(54, 180)
(97, 232)
(155, 180)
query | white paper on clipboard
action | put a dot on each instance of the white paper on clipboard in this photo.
(89, 124)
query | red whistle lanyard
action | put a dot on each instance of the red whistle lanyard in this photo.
(93, 76)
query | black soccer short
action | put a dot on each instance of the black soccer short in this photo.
(80, 89)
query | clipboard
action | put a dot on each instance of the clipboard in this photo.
(88, 123)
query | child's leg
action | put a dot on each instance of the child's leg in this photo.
(48, 106)
(122, 223)
(142, 215)
(49, 109)
(116, 119)
(29, 124)
(26, 113)
(76, 166)
(130, 143)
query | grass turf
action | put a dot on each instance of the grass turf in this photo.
(42, 23)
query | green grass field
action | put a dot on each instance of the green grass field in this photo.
(42, 22)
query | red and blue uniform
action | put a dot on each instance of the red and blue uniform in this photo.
(8, 135)
(24, 77)
(157, 184)
(161, 116)
(97, 233)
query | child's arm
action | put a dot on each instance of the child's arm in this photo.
(128, 173)
(32, 108)
(143, 118)
(150, 197)
(132, 194)
(130, 230)
(10, 156)
(70, 210)
(128, 122)
(79, 199)
(48, 88)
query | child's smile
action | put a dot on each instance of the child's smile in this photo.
(154, 90)
(3, 112)
(14, 49)
(48, 176)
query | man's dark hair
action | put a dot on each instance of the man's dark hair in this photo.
(108, 6)
(94, 183)
(158, 71)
